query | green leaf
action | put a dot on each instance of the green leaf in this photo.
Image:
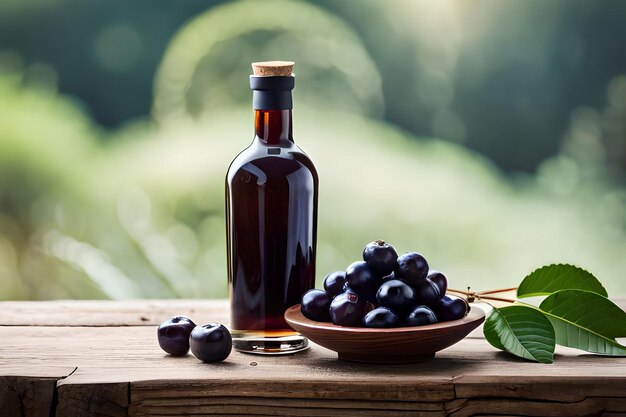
(521, 330)
(552, 278)
(586, 320)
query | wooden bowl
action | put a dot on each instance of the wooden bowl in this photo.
(394, 345)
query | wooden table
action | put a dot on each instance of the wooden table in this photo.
(101, 358)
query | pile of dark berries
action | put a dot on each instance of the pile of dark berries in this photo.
(210, 342)
(384, 290)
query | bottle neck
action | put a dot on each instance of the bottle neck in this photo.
(272, 126)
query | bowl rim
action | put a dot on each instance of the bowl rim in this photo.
(294, 314)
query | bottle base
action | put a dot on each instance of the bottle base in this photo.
(271, 345)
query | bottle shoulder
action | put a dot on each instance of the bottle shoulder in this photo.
(272, 160)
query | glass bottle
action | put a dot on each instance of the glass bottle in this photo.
(271, 221)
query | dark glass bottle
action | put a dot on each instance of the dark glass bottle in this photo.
(271, 214)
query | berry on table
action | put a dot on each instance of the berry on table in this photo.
(211, 342)
(173, 335)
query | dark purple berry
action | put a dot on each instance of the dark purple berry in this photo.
(380, 256)
(439, 280)
(420, 316)
(173, 335)
(315, 305)
(211, 342)
(411, 268)
(334, 282)
(396, 295)
(347, 309)
(380, 317)
(360, 277)
(427, 293)
(448, 309)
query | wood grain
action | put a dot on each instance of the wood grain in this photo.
(109, 313)
(586, 407)
(120, 371)
(103, 400)
(26, 397)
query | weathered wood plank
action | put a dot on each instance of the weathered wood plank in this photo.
(382, 392)
(506, 406)
(280, 407)
(135, 356)
(120, 355)
(120, 371)
(565, 386)
(166, 403)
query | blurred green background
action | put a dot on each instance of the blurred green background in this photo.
(488, 135)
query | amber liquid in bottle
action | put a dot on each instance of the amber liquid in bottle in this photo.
(271, 211)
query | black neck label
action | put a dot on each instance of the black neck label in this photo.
(272, 93)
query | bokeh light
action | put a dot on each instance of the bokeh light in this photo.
(460, 130)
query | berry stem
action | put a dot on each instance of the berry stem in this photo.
(471, 296)
(506, 300)
(459, 291)
(496, 291)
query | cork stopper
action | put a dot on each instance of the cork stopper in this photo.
(272, 68)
